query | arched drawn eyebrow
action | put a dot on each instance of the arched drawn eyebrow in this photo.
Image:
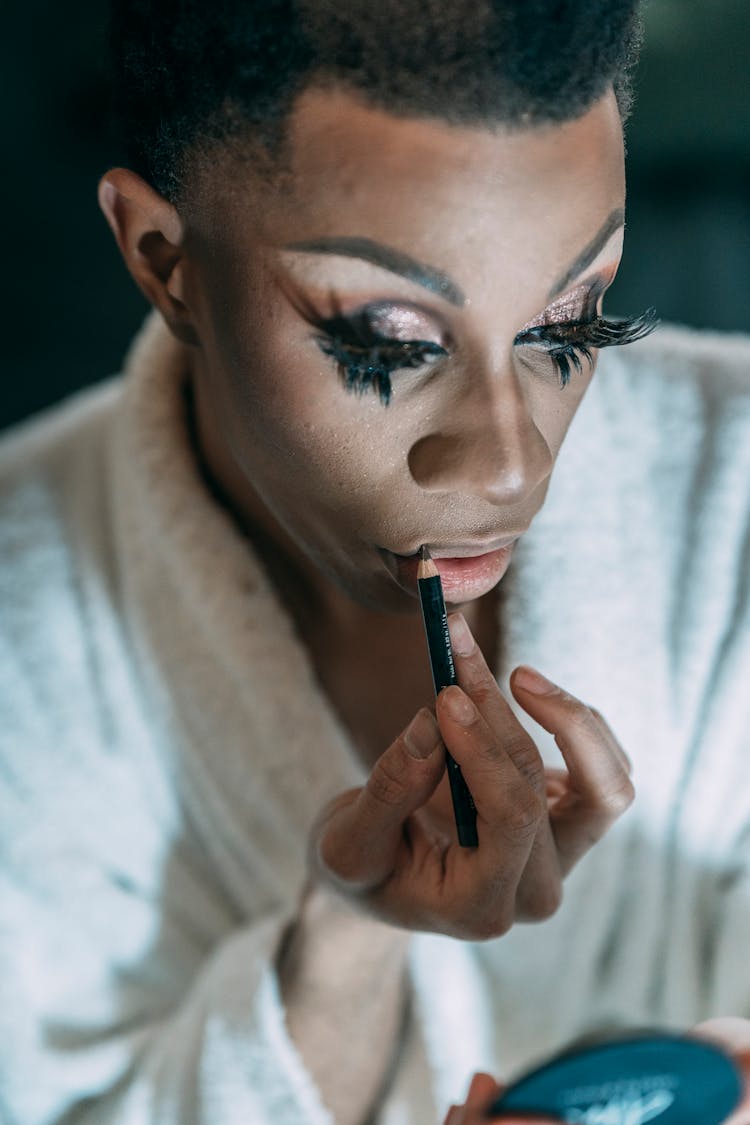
(612, 223)
(433, 279)
(388, 258)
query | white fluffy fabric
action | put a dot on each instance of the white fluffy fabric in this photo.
(164, 746)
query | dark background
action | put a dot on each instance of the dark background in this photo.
(71, 309)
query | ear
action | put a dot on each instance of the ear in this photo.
(150, 235)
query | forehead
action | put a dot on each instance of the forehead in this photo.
(347, 154)
(334, 131)
(466, 198)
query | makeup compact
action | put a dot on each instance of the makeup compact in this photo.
(651, 1077)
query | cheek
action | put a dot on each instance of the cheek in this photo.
(553, 407)
(297, 434)
(327, 464)
(569, 400)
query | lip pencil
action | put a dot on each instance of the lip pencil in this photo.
(435, 617)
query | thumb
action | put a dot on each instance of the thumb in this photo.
(482, 1092)
(361, 839)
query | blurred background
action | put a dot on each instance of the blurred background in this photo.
(71, 309)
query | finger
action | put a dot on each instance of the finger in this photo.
(509, 812)
(555, 784)
(478, 681)
(607, 731)
(465, 1115)
(730, 1032)
(527, 1119)
(509, 1118)
(359, 842)
(503, 797)
(539, 889)
(483, 1090)
(741, 1116)
(599, 781)
(566, 717)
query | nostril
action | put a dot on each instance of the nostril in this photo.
(435, 462)
(479, 465)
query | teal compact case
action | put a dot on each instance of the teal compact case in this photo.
(653, 1077)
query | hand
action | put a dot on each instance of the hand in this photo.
(482, 1092)
(391, 846)
(733, 1035)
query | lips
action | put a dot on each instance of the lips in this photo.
(466, 572)
(469, 551)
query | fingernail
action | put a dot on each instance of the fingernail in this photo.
(459, 706)
(462, 641)
(422, 735)
(530, 680)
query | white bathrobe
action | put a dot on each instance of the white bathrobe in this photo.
(164, 746)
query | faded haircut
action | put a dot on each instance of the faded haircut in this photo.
(189, 74)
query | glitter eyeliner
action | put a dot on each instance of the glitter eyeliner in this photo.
(435, 617)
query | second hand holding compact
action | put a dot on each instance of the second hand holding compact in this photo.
(435, 617)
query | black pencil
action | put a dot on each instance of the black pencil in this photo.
(435, 617)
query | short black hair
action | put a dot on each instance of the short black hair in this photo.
(188, 72)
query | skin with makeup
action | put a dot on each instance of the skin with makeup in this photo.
(377, 357)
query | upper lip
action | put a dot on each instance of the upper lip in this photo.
(467, 550)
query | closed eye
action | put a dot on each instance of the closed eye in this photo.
(367, 359)
(571, 342)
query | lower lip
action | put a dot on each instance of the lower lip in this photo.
(462, 579)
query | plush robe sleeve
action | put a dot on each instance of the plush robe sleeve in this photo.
(134, 987)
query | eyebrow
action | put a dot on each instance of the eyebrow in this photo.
(388, 258)
(612, 223)
(433, 279)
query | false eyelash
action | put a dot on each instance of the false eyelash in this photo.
(370, 362)
(367, 361)
(569, 342)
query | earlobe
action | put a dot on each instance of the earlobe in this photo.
(149, 233)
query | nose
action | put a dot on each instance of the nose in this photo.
(486, 444)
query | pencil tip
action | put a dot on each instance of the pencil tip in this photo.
(424, 554)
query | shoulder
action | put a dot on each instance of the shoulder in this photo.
(55, 437)
(55, 545)
(675, 410)
(654, 502)
(679, 399)
(53, 482)
(50, 465)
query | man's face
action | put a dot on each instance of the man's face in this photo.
(392, 231)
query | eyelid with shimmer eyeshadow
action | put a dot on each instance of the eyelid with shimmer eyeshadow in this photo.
(367, 358)
(568, 343)
(573, 306)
